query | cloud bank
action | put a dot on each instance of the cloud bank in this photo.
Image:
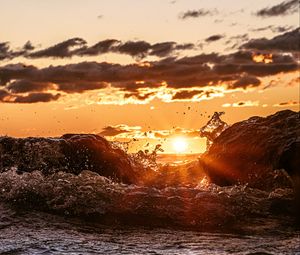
(196, 77)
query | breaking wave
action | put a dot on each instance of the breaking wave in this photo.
(91, 196)
(88, 177)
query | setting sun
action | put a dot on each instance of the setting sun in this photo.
(180, 144)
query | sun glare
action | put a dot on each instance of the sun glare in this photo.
(180, 145)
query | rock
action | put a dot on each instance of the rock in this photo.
(71, 153)
(249, 149)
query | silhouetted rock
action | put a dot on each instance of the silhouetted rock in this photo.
(250, 149)
(70, 153)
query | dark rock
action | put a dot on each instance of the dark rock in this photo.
(70, 153)
(250, 149)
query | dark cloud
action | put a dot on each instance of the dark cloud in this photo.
(138, 95)
(178, 73)
(287, 42)
(23, 86)
(119, 129)
(274, 29)
(36, 98)
(214, 38)
(186, 94)
(133, 132)
(4, 51)
(245, 82)
(139, 80)
(182, 72)
(162, 49)
(16, 71)
(61, 50)
(80, 87)
(134, 48)
(30, 98)
(185, 46)
(197, 13)
(3, 94)
(28, 46)
(79, 47)
(7, 53)
(284, 8)
(290, 103)
(114, 130)
(167, 48)
(99, 48)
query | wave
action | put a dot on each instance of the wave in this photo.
(87, 176)
(92, 196)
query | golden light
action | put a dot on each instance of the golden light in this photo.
(265, 58)
(144, 64)
(180, 144)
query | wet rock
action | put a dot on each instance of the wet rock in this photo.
(250, 149)
(70, 153)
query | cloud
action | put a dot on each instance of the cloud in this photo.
(287, 42)
(3, 94)
(101, 47)
(237, 40)
(80, 87)
(274, 29)
(7, 53)
(245, 82)
(36, 97)
(4, 51)
(248, 103)
(167, 48)
(186, 94)
(23, 86)
(194, 94)
(135, 48)
(136, 132)
(176, 131)
(78, 47)
(289, 103)
(64, 49)
(284, 8)
(28, 46)
(5, 97)
(168, 79)
(118, 129)
(214, 38)
(197, 13)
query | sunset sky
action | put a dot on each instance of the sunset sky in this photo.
(149, 70)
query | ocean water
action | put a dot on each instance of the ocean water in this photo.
(90, 214)
(42, 233)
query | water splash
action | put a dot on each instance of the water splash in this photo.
(145, 158)
(214, 127)
(88, 194)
